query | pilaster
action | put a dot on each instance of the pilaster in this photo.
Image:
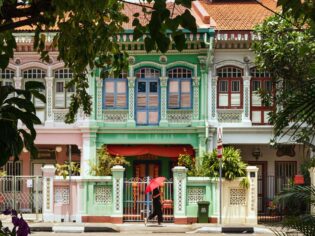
(49, 101)
(131, 112)
(163, 84)
(252, 206)
(88, 154)
(213, 100)
(17, 82)
(202, 148)
(99, 99)
(118, 191)
(91, 91)
(196, 118)
(180, 188)
(246, 100)
(48, 192)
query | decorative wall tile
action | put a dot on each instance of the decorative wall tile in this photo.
(196, 194)
(237, 196)
(62, 195)
(103, 195)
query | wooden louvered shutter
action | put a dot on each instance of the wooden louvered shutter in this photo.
(121, 94)
(109, 94)
(173, 98)
(185, 94)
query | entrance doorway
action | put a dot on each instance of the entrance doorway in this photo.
(262, 181)
(143, 169)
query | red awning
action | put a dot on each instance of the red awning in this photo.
(171, 151)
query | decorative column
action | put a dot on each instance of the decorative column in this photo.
(163, 84)
(131, 112)
(88, 154)
(180, 187)
(252, 206)
(246, 100)
(49, 101)
(118, 191)
(196, 121)
(99, 99)
(312, 175)
(81, 201)
(213, 99)
(17, 82)
(48, 193)
(201, 149)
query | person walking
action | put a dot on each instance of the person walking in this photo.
(157, 207)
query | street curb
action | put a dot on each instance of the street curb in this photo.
(91, 229)
(41, 229)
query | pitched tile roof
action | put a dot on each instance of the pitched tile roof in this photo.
(130, 9)
(238, 14)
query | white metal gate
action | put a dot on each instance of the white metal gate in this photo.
(22, 193)
(138, 205)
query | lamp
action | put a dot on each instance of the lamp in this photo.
(58, 148)
(256, 153)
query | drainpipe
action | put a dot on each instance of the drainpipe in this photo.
(209, 62)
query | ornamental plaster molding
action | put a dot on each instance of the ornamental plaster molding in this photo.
(59, 65)
(34, 64)
(220, 64)
(182, 63)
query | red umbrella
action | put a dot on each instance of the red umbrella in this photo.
(154, 183)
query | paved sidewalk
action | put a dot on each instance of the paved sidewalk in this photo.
(136, 228)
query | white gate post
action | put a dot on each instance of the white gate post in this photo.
(312, 175)
(118, 191)
(252, 202)
(180, 186)
(48, 191)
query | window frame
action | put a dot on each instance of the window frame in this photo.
(64, 75)
(6, 76)
(179, 80)
(115, 80)
(262, 78)
(230, 80)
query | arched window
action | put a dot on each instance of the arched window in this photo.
(260, 81)
(63, 95)
(179, 88)
(230, 87)
(6, 77)
(147, 96)
(115, 92)
(36, 74)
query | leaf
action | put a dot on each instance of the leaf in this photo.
(188, 21)
(180, 41)
(34, 85)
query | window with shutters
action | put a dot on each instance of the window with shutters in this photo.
(180, 88)
(63, 95)
(260, 82)
(36, 74)
(147, 96)
(115, 92)
(230, 87)
(6, 77)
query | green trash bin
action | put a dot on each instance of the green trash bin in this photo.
(203, 211)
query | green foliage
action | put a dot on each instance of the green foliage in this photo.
(288, 52)
(232, 164)
(296, 200)
(189, 162)
(245, 183)
(3, 173)
(105, 162)
(65, 169)
(94, 25)
(16, 106)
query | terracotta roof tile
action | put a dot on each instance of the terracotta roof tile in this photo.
(238, 15)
